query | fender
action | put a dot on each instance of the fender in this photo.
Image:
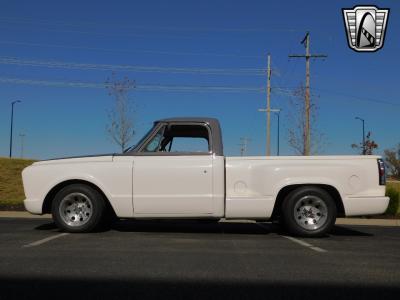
(89, 179)
(305, 181)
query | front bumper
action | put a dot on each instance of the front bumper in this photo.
(34, 206)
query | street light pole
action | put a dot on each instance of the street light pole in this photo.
(363, 133)
(12, 120)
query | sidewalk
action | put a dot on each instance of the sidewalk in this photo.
(339, 221)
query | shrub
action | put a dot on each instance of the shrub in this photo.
(393, 207)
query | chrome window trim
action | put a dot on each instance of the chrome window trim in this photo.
(159, 126)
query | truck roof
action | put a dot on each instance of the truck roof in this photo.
(190, 119)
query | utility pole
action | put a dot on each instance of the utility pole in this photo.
(307, 129)
(268, 111)
(278, 114)
(12, 121)
(244, 141)
(268, 146)
(22, 136)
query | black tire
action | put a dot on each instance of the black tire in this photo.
(309, 211)
(95, 203)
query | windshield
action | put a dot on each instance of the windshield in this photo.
(133, 147)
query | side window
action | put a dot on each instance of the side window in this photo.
(186, 138)
(180, 138)
(184, 144)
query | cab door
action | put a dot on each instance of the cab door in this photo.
(172, 174)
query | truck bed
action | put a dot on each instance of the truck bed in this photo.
(253, 183)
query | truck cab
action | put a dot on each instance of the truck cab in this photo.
(179, 169)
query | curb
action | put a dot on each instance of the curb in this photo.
(339, 221)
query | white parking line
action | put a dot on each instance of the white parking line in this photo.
(300, 242)
(305, 244)
(45, 240)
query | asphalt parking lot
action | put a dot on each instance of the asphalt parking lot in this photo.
(189, 259)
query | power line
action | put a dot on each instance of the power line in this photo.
(131, 68)
(158, 35)
(142, 87)
(144, 31)
(130, 51)
(365, 99)
(130, 26)
(288, 91)
(114, 34)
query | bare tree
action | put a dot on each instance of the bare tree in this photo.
(121, 121)
(369, 146)
(392, 159)
(297, 133)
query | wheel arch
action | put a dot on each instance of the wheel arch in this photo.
(46, 207)
(284, 191)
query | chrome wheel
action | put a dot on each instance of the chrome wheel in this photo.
(310, 212)
(76, 209)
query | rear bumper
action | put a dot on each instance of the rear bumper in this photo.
(34, 206)
(361, 206)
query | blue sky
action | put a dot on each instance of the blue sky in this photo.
(63, 121)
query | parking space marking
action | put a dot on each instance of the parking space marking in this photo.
(319, 249)
(45, 240)
(305, 244)
(297, 241)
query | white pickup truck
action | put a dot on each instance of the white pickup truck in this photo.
(178, 170)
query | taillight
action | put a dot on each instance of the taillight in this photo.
(382, 172)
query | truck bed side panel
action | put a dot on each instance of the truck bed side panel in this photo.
(253, 183)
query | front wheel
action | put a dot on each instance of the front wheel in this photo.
(309, 212)
(78, 208)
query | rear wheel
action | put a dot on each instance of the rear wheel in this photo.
(78, 208)
(309, 212)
